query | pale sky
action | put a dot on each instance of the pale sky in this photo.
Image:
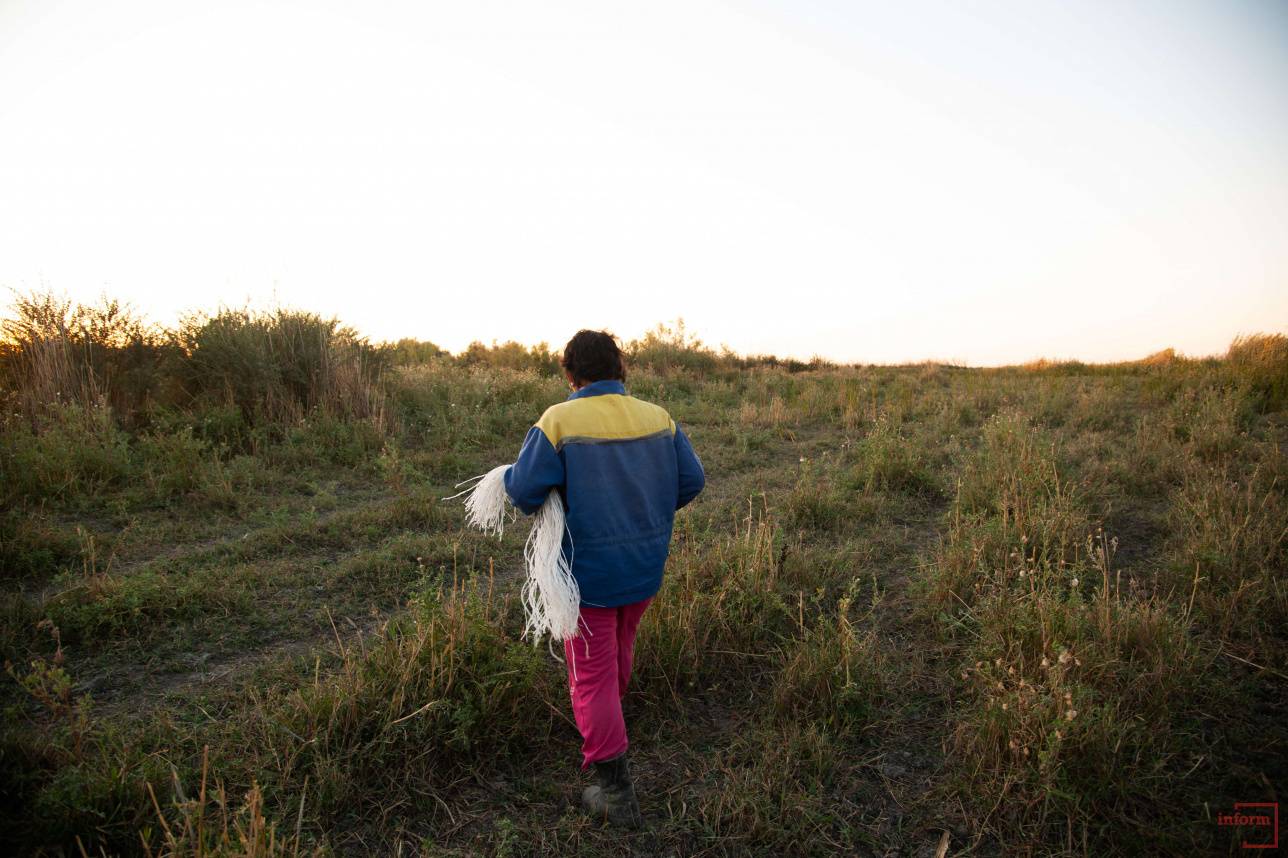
(983, 182)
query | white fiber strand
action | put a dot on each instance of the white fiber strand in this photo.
(550, 595)
(485, 506)
(551, 600)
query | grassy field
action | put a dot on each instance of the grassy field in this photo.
(1036, 610)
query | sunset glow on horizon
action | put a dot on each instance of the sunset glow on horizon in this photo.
(868, 183)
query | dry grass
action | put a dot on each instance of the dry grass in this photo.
(1036, 610)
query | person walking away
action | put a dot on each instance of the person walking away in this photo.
(623, 467)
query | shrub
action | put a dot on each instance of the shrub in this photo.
(1211, 422)
(445, 408)
(1016, 518)
(31, 547)
(446, 689)
(832, 676)
(814, 503)
(409, 352)
(173, 464)
(1260, 363)
(57, 353)
(778, 792)
(325, 438)
(74, 454)
(1079, 715)
(886, 460)
(719, 615)
(1227, 548)
(71, 773)
(279, 366)
(665, 349)
(511, 355)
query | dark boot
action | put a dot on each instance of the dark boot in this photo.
(613, 798)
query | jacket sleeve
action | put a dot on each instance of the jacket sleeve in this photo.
(691, 476)
(538, 470)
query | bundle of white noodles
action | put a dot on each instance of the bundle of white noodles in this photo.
(551, 600)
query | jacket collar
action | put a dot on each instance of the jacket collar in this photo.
(599, 388)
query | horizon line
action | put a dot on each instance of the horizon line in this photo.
(672, 325)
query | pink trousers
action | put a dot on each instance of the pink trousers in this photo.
(599, 669)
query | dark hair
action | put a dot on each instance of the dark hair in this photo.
(593, 356)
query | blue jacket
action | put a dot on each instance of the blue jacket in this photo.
(623, 468)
